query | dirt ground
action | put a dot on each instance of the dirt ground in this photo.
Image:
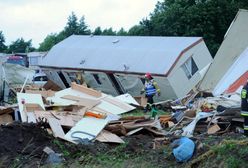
(21, 145)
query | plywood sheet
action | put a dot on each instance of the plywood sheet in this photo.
(215, 128)
(106, 136)
(5, 118)
(85, 126)
(58, 100)
(64, 120)
(56, 127)
(23, 98)
(85, 90)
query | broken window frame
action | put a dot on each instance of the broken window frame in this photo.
(190, 67)
(97, 78)
(73, 77)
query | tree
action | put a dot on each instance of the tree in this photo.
(72, 25)
(2, 41)
(109, 32)
(137, 30)
(97, 31)
(122, 32)
(49, 42)
(20, 46)
(83, 28)
(209, 19)
(76, 27)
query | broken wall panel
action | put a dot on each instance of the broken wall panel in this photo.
(86, 128)
(23, 98)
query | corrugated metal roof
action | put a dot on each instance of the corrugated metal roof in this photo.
(137, 54)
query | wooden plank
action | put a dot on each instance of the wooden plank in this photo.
(5, 118)
(31, 107)
(45, 93)
(5, 110)
(212, 130)
(85, 90)
(86, 128)
(134, 131)
(56, 127)
(106, 136)
(50, 85)
(141, 100)
(170, 124)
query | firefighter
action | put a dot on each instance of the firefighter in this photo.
(151, 89)
(244, 107)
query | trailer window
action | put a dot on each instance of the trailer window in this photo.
(190, 67)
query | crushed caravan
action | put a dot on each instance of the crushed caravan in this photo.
(119, 68)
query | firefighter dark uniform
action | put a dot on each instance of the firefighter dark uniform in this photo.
(244, 107)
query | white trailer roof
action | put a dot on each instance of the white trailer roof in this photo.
(136, 54)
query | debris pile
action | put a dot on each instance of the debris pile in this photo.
(82, 115)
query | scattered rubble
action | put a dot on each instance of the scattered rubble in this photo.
(83, 116)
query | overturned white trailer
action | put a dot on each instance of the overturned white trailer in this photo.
(117, 64)
(229, 70)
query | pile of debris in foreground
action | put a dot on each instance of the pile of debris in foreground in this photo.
(81, 115)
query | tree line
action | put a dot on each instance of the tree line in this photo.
(209, 19)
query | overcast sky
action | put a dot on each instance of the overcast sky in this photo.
(35, 19)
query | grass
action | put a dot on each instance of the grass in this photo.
(228, 154)
(62, 147)
(118, 156)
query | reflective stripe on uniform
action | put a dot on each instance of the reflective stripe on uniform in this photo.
(244, 113)
(245, 127)
(243, 94)
(150, 89)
